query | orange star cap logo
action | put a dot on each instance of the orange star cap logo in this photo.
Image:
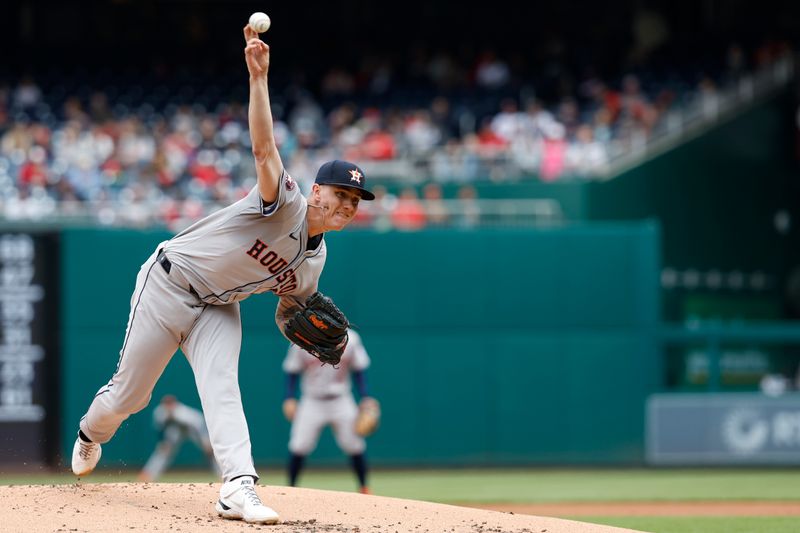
(355, 175)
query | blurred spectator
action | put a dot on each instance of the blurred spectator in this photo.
(457, 161)
(381, 77)
(491, 72)
(509, 123)
(99, 110)
(27, 94)
(408, 213)
(490, 142)
(16, 141)
(307, 121)
(444, 119)
(367, 138)
(381, 208)
(553, 152)
(735, 63)
(5, 100)
(421, 133)
(29, 204)
(378, 144)
(435, 208)
(33, 172)
(469, 213)
(445, 72)
(585, 155)
(83, 149)
(709, 98)
(602, 129)
(72, 110)
(340, 122)
(338, 82)
(569, 116)
(633, 101)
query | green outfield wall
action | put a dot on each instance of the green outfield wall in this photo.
(488, 347)
(717, 195)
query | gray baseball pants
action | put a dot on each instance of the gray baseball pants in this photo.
(166, 315)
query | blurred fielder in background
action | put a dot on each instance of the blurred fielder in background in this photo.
(326, 399)
(176, 422)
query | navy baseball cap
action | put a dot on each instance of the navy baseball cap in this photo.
(344, 174)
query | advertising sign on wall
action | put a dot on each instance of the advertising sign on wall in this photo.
(725, 428)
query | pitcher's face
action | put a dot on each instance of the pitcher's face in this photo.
(340, 204)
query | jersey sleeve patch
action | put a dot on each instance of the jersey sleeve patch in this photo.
(269, 209)
(287, 191)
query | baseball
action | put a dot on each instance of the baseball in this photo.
(259, 21)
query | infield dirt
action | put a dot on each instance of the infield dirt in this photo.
(131, 507)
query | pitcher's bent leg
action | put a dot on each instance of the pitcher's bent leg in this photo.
(212, 349)
(150, 342)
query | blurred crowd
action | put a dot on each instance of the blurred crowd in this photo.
(148, 152)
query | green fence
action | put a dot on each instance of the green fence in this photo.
(488, 347)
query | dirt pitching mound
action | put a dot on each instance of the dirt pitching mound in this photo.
(131, 507)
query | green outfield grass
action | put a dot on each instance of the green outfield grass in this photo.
(479, 486)
(699, 524)
(508, 485)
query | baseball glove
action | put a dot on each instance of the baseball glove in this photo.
(369, 417)
(320, 328)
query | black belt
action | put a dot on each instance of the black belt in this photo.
(328, 397)
(163, 261)
(167, 266)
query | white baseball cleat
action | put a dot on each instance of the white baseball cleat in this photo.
(85, 456)
(238, 500)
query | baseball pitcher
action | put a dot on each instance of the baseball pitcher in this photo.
(326, 399)
(188, 291)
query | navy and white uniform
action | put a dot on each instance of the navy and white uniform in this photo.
(176, 422)
(326, 398)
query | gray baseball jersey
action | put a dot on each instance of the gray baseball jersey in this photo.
(326, 398)
(188, 298)
(232, 253)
